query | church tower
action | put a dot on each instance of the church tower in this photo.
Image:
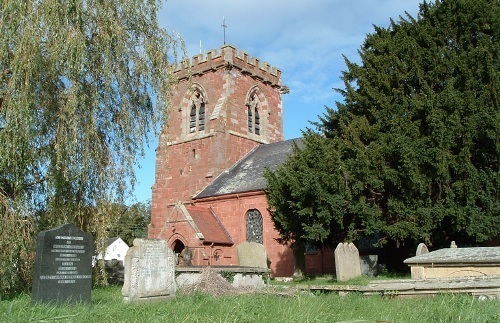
(225, 104)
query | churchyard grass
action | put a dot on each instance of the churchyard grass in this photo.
(332, 280)
(107, 306)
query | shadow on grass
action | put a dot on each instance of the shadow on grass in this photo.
(332, 280)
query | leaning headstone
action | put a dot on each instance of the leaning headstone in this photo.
(252, 254)
(421, 249)
(149, 271)
(63, 266)
(347, 264)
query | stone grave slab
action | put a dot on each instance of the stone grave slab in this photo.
(456, 262)
(149, 272)
(252, 254)
(63, 266)
(347, 263)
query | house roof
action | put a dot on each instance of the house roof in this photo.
(248, 173)
(111, 240)
(209, 225)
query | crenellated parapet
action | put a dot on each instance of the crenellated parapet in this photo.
(228, 58)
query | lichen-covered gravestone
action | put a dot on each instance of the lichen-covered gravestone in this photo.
(347, 264)
(149, 271)
(63, 266)
(252, 254)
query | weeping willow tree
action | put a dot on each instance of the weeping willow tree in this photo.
(82, 83)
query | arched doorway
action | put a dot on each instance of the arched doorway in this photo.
(178, 246)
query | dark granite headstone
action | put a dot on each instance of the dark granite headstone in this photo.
(63, 266)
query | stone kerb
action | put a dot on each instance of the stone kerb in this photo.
(149, 272)
(63, 266)
(252, 254)
(347, 263)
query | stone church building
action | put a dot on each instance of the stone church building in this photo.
(225, 126)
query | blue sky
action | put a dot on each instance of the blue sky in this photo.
(304, 39)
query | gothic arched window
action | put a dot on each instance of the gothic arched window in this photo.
(254, 226)
(253, 115)
(197, 113)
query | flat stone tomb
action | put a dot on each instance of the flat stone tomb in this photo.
(456, 262)
(149, 271)
(63, 266)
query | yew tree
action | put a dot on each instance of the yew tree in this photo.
(411, 153)
(82, 84)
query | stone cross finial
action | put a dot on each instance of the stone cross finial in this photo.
(224, 26)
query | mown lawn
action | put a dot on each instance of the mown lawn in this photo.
(107, 306)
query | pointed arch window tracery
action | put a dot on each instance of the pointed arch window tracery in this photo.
(197, 112)
(253, 114)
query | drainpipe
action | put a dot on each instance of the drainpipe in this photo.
(210, 257)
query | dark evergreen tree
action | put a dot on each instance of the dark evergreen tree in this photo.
(411, 154)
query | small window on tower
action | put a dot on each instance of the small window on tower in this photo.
(250, 120)
(197, 113)
(253, 115)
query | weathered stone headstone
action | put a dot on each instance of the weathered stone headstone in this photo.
(421, 249)
(252, 254)
(347, 265)
(63, 266)
(149, 271)
(369, 265)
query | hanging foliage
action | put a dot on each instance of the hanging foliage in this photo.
(82, 84)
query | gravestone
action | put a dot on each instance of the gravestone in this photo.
(149, 271)
(63, 266)
(252, 254)
(347, 264)
(421, 249)
(186, 256)
(369, 265)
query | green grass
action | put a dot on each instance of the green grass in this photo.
(332, 280)
(107, 306)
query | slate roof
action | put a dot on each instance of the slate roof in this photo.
(111, 240)
(209, 225)
(248, 173)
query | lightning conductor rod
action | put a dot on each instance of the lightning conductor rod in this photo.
(224, 26)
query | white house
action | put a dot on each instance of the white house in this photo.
(116, 249)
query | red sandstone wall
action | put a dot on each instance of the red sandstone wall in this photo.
(187, 162)
(231, 213)
(321, 262)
